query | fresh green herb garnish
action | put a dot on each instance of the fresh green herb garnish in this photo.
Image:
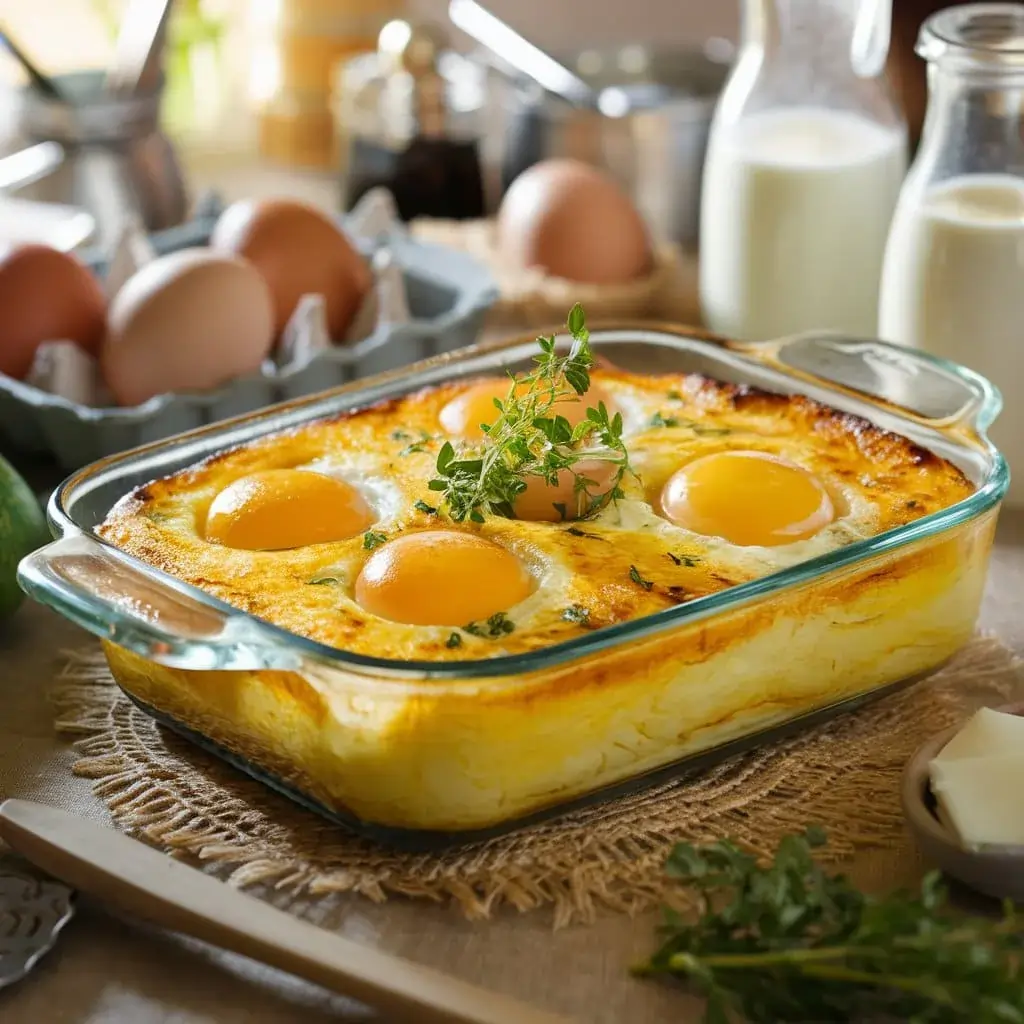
(657, 420)
(674, 396)
(322, 581)
(688, 560)
(422, 506)
(634, 575)
(453, 641)
(400, 435)
(529, 438)
(499, 624)
(577, 613)
(373, 540)
(788, 942)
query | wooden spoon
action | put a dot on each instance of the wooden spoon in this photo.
(123, 873)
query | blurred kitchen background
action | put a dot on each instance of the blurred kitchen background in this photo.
(130, 129)
(252, 97)
(254, 78)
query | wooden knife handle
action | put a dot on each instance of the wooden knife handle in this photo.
(145, 883)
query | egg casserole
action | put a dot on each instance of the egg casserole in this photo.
(332, 532)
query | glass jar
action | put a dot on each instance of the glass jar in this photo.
(413, 117)
(953, 279)
(805, 160)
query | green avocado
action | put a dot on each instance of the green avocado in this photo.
(22, 529)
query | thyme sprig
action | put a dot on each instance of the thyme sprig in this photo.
(788, 942)
(530, 439)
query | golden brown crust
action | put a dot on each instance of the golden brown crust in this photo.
(878, 480)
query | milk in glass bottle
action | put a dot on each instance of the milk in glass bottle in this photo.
(805, 160)
(953, 277)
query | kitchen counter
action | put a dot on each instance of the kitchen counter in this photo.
(106, 971)
(109, 971)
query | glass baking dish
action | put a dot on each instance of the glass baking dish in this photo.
(427, 753)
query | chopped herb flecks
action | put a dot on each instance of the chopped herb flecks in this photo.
(688, 560)
(373, 540)
(634, 575)
(657, 420)
(576, 532)
(578, 614)
(499, 624)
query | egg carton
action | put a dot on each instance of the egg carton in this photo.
(427, 299)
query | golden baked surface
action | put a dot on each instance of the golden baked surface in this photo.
(627, 561)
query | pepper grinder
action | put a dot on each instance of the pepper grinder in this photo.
(399, 128)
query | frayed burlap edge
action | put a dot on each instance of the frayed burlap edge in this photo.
(844, 775)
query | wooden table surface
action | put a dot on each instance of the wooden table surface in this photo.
(107, 971)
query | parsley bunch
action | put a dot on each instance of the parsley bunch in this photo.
(530, 439)
(788, 942)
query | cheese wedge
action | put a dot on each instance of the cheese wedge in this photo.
(982, 798)
(986, 733)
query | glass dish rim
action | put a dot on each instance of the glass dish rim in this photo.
(560, 655)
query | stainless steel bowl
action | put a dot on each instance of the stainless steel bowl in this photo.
(647, 125)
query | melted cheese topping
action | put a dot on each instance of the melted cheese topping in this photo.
(683, 530)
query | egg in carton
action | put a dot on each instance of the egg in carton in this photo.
(567, 232)
(64, 368)
(423, 300)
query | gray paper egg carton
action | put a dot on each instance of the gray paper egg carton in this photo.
(448, 296)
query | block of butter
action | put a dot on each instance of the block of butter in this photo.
(978, 780)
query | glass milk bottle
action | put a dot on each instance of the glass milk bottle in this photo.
(805, 160)
(953, 277)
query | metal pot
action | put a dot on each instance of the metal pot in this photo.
(116, 164)
(647, 125)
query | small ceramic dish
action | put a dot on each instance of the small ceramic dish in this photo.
(993, 870)
(446, 294)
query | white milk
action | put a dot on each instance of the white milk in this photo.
(794, 216)
(953, 285)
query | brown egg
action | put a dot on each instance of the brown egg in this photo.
(191, 320)
(573, 221)
(299, 251)
(46, 295)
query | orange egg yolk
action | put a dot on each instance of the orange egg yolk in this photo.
(554, 503)
(464, 414)
(286, 508)
(747, 498)
(441, 578)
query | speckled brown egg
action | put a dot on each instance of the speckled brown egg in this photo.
(574, 222)
(190, 320)
(299, 251)
(46, 295)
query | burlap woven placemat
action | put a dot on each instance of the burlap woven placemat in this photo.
(843, 775)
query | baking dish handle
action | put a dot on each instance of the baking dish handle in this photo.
(932, 389)
(101, 590)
